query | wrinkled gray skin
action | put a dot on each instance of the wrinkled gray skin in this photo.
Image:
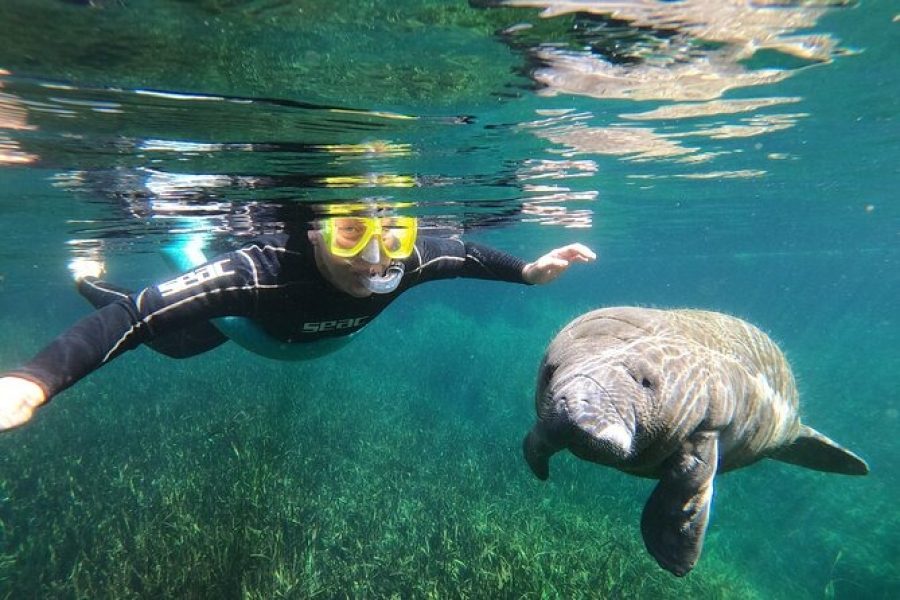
(678, 396)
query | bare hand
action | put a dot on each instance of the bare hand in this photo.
(554, 263)
(18, 399)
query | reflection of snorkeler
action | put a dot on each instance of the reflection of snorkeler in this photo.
(319, 286)
(248, 205)
(13, 116)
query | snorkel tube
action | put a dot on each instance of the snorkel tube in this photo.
(387, 283)
(188, 254)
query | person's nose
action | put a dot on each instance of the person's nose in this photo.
(371, 253)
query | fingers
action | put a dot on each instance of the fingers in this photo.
(554, 263)
(575, 252)
(18, 399)
(13, 414)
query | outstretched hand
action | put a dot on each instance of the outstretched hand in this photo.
(553, 264)
(18, 399)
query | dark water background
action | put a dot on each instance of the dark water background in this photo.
(764, 187)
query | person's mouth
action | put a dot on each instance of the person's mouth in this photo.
(382, 281)
(368, 272)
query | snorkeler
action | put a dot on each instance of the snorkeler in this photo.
(289, 290)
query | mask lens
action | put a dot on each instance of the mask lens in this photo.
(349, 235)
(398, 236)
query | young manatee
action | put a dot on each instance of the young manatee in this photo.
(678, 396)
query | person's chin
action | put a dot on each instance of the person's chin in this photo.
(358, 290)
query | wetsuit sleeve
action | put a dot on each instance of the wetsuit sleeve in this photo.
(195, 339)
(228, 285)
(439, 258)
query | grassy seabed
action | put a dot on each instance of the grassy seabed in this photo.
(230, 476)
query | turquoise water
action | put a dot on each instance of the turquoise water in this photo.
(714, 159)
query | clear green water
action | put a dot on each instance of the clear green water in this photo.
(394, 468)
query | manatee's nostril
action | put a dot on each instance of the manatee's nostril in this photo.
(646, 383)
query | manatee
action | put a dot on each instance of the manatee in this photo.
(678, 396)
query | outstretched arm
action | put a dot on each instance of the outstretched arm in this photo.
(444, 258)
(553, 264)
(225, 286)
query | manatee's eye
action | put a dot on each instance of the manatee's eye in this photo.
(644, 381)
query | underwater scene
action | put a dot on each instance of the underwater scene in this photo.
(736, 156)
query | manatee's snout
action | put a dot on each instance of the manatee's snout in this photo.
(599, 408)
(582, 414)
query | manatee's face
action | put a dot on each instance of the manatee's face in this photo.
(593, 406)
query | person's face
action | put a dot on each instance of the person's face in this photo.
(344, 273)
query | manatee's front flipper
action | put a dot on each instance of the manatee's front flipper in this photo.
(813, 450)
(538, 450)
(675, 517)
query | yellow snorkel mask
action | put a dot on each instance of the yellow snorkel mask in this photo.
(348, 236)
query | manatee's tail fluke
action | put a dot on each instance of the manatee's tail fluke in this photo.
(538, 452)
(815, 451)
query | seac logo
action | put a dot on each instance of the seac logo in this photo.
(317, 326)
(194, 278)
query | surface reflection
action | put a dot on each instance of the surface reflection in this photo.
(640, 82)
(13, 117)
(687, 54)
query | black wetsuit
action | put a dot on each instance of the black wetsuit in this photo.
(274, 282)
